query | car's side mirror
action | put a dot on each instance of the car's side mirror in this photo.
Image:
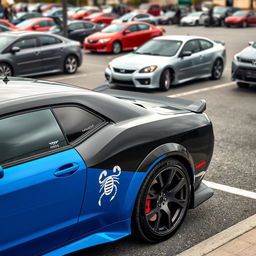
(127, 32)
(186, 54)
(251, 43)
(34, 27)
(15, 49)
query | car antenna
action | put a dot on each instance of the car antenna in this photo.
(6, 79)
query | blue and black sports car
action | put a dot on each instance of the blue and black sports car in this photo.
(81, 168)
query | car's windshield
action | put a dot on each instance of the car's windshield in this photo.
(55, 28)
(240, 13)
(144, 6)
(25, 23)
(160, 47)
(5, 41)
(115, 28)
(19, 14)
(126, 16)
(194, 14)
(219, 10)
(94, 15)
(170, 13)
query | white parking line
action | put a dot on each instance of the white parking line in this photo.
(232, 190)
(202, 90)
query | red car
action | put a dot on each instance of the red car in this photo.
(153, 9)
(8, 24)
(83, 12)
(123, 36)
(243, 18)
(37, 24)
(101, 18)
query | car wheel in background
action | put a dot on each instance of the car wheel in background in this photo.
(71, 64)
(165, 80)
(242, 85)
(162, 202)
(217, 69)
(170, 21)
(5, 69)
(244, 24)
(116, 47)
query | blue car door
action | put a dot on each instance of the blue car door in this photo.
(42, 182)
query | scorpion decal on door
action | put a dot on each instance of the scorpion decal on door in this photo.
(109, 184)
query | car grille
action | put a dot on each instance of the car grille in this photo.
(92, 41)
(91, 48)
(250, 61)
(246, 74)
(125, 82)
(123, 71)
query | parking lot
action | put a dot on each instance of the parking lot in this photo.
(232, 111)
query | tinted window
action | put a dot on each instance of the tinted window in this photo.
(48, 40)
(143, 27)
(4, 24)
(76, 121)
(88, 25)
(141, 16)
(132, 28)
(205, 44)
(43, 23)
(76, 26)
(51, 23)
(26, 43)
(29, 134)
(192, 46)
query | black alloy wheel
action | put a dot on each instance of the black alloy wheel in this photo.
(217, 69)
(163, 202)
(5, 69)
(165, 80)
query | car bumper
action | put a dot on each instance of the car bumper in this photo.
(229, 23)
(242, 72)
(188, 23)
(98, 47)
(134, 79)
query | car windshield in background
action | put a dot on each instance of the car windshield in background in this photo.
(143, 7)
(55, 28)
(25, 23)
(94, 15)
(160, 47)
(115, 28)
(240, 13)
(170, 13)
(219, 10)
(5, 41)
(194, 14)
(126, 16)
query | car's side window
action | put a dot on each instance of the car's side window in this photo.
(26, 43)
(132, 28)
(192, 46)
(28, 134)
(48, 40)
(205, 44)
(143, 27)
(76, 122)
(43, 24)
(88, 25)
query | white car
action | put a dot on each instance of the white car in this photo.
(194, 19)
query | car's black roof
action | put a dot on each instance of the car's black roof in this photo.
(23, 94)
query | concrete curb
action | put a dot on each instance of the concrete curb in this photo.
(221, 238)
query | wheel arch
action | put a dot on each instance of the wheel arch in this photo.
(172, 70)
(8, 63)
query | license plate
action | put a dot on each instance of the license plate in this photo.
(251, 74)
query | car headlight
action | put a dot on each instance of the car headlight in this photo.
(104, 40)
(237, 58)
(148, 69)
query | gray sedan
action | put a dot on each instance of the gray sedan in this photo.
(34, 53)
(168, 60)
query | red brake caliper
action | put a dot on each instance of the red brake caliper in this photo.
(148, 204)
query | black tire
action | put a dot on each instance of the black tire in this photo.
(244, 24)
(70, 64)
(217, 69)
(242, 85)
(5, 70)
(116, 47)
(197, 23)
(168, 190)
(165, 80)
(170, 22)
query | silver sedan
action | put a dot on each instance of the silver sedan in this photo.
(168, 60)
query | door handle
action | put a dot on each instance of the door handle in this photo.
(37, 53)
(66, 170)
(201, 57)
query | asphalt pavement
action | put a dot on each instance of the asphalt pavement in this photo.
(232, 111)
